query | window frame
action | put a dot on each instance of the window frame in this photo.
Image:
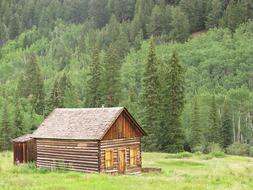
(109, 160)
(133, 151)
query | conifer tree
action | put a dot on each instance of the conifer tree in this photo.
(227, 126)
(234, 15)
(180, 25)
(195, 128)
(6, 131)
(112, 78)
(56, 100)
(63, 94)
(14, 27)
(172, 135)
(68, 92)
(31, 85)
(18, 120)
(157, 22)
(214, 128)
(150, 102)
(94, 95)
(215, 14)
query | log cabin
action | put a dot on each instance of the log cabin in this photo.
(106, 140)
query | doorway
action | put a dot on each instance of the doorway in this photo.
(122, 161)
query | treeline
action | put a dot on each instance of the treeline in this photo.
(169, 19)
(81, 54)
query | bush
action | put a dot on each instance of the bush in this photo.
(238, 149)
(199, 148)
(218, 154)
(212, 147)
(180, 155)
(251, 151)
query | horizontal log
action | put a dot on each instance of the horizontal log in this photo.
(72, 163)
(67, 155)
(66, 150)
(123, 139)
(66, 160)
(73, 154)
(81, 169)
(67, 147)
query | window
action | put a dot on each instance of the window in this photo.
(133, 156)
(108, 158)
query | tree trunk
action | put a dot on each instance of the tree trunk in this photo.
(239, 129)
(234, 127)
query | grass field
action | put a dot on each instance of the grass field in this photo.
(195, 172)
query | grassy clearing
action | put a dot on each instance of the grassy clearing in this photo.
(179, 172)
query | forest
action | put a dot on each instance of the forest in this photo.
(183, 68)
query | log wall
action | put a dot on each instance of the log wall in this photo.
(120, 144)
(77, 155)
(122, 128)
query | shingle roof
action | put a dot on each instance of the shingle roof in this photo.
(23, 138)
(84, 123)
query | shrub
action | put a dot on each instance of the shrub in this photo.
(218, 154)
(198, 153)
(212, 147)
(238, 149)
(207, 157)
(199, 148)
(251, 151)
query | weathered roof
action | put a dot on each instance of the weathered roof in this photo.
(23, 138)
(83, 123)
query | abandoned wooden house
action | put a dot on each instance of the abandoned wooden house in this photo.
(89, 140)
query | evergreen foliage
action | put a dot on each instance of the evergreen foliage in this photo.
(150, 99)
(111, 78)
(196, 132)
(214, 124)
(6, 132)
(227, 126)
(94, 87)
(172, 135)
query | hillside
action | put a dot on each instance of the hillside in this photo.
(197, 172)
(93, 53)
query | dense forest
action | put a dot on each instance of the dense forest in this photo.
(183, 68)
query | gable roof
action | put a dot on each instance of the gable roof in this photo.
(23, 138)
(83, 123)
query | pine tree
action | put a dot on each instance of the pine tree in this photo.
(227, 126)
(111, 78)
(31, 85)
(195, 128)
(180, 25)
(150, 102)
(63, 94)
(234, 15)
(68, 91)
(18, 121)
(56, 99)
(215, 14)
(5, 132)
(172, 135)
(157, 22)
(123, 9)
(98, 11)
(94, 94)
(214, 128)
(14, 27)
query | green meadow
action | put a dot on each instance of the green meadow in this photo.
(179, 171)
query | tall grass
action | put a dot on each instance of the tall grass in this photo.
(183, 171)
